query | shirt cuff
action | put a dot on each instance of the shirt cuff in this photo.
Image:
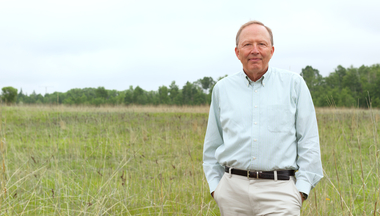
(303, 186)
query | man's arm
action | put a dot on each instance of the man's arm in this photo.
(310, 170)
(213, 139)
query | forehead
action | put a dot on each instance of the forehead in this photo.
(254, 31)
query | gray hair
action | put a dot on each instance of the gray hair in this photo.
(254, 22)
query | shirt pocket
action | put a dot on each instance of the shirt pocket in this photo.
(280, 119)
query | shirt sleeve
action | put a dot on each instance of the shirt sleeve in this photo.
(310, 170)
(213, 139)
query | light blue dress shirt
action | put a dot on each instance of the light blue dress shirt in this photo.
(265, 125)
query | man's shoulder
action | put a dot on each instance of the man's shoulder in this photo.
(286, 75)
(284, 72)
(229, 79)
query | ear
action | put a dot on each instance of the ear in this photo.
(237, 52)
(272, 51)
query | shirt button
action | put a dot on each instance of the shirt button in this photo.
(255, 106)
(256, 91)
(255, 140)
(254, 158)
(255, 123)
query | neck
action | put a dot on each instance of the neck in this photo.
(254, 76)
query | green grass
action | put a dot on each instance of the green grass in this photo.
(148, 161)
(350, 156)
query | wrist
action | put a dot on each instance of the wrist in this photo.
(304, 196)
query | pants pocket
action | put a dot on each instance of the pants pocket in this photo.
(296, 191)
(216, 191)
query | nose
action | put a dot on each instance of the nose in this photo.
(255, 49)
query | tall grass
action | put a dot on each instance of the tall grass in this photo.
(148, 161)
(350, 155)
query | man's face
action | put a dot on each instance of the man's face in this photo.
(254, 49)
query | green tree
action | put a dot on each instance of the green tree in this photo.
(375, 102)
(346, 99)
(21, 97)
(97, 101)
(312, 78)
(335, 79)
(9, 95)
(193, 94)
(101, 92)
(152, 97)
(352, 82)
(120, 97)
(68, 101)
(128, 98)
(163, 94)
(372, 87)
(206, 83)
(83, 99)
(73, 96)
(112, 97)
(139, 96)
(175, 94)
(188, 92)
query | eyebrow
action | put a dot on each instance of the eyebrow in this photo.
(258, 41)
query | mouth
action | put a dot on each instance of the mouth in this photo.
(254, 59)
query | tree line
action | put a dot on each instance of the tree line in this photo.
(344, 87)
(195, 93)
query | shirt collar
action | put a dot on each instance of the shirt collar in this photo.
(262, 79)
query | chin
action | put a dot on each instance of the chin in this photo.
(255, 69)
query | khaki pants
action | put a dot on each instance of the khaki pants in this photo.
(238, 195)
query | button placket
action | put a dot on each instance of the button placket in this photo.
(254, 123)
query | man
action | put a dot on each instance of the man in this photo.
(261, 151)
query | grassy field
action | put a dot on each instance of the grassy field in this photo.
(148, 161)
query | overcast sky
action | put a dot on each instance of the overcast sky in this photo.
(60, 45)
